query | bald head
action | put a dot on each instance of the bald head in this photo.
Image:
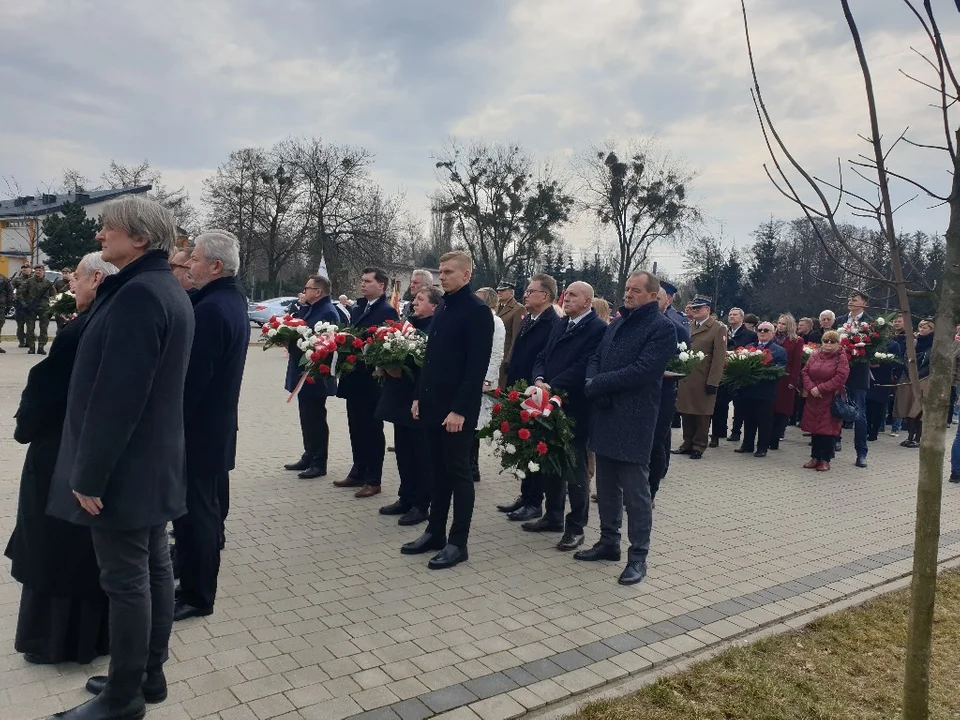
(577, 299)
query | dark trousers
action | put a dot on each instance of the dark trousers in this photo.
(660, 454)
(223, 498)
(574, 483)
(314, 428)
(449, 456)
(366, 439)
(780, 423)
(737, 430)
(696, 432)
(859, 398)
(136, 576)
(475, 459)
(198, 541)
(876, 410)
(618, 484)
(822, 447)
(413, 466)
(531, 490)
(757, 423)
(21, 320)
(721, 412)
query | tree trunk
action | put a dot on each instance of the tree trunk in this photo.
(916, 687)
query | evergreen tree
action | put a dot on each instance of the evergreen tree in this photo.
(68, 236)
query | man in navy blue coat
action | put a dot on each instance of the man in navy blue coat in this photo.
(858, 382)
(623, 385)
(562, 366)
(535, 330)
(362, 391)
(756, 401)
(210, 399)
(448, 406)
(312, 398)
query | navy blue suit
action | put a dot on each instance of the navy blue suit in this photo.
(756, 405)
(529, 343)
(362, 393)
(562, 364)
(210, 399)
(312, 398)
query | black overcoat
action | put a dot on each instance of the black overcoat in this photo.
(49, 555)
(741, 338)
(529, 343)
(859, 377)
(458, 354)
(212, 387)
(361, 383)
(766, 390)
(623, 387)
(563, 363)
(123, 435)
(397, 394)
(323, 310)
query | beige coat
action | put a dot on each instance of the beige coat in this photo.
(511, 312)
(710, 339)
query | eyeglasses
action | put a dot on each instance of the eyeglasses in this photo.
(531, 292)
(177, 266)
(309, 288)
(764, 330)
(830, 342)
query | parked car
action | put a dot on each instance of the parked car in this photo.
(261, 312)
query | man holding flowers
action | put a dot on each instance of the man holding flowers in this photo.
(623, 386)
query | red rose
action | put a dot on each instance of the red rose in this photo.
(523, 434)
(317, 355)
(369, 341)
(497, 408)
(504, 427)
(524, 416)
(358, 343)
(311, 380)
(496, 392)
(351, 359)
(265, 329)
(542, 448)
(324, 369)
(513, 396)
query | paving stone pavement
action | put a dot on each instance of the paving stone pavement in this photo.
(319, 616)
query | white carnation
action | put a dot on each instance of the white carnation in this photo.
(681, 346)
(271, 332)
(881, 322)
(510, 449)
(533, 466)
(303, 330)
(497, 434)
(699, 355)
(387, 345)
(521, 474)
(684, 356)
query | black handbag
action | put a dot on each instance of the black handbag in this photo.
(842, 408)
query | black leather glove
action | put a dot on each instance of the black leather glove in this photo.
(711, 389)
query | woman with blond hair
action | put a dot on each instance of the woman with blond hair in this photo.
(908, 404)
(602, 308)
(789, 385)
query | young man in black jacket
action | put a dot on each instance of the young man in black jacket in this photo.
(448, 406)
(858, 382)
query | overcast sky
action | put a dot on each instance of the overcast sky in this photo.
(182, 83)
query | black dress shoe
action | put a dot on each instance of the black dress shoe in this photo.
(448, 557)
(154, 686)
(715, 442)
(680, 451)
(633, 573)
(183, 611)
(733, 438)
(527, 512)
(312, 472)
(954, 477)
(37, 659)
(743, 450)
(424, 543)
(599, 552)
(696, 455)
(298, 465)
(31, 351)
(570, 541)
(397, 508)
(543, 525)
(102, 708)
(41, 351)
(413, 516)
(515, 505)
(760, 453)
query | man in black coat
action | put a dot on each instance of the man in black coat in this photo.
(623, 385)
(858, 382)
(738, 335)
(362, 391)
(756, 401)
(448, 405)
(562, 366)
(317, 307)
(535, 330)
(120, 468)
(211, 397)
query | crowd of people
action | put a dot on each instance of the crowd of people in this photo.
(132, 424)
(29, 295)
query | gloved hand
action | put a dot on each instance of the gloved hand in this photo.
(711, 389)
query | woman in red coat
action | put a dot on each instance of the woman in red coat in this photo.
(788, 386)
(823, 377)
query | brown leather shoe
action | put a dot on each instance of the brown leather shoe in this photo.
(367, 491)
(348, 482)
(823, 467)
(811, 464)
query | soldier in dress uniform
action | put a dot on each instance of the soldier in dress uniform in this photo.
(697, 393)
(511, 312)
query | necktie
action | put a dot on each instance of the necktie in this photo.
(571, 325)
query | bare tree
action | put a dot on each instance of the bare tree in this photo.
(177, 201)
(875, 202)
(641, 193)
(506, 211)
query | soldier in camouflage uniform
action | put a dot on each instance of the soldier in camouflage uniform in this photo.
(26, 272)
(37, 292)
(6, 301)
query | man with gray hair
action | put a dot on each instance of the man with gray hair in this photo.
(419, 280)
(121, 460)
(211, 397)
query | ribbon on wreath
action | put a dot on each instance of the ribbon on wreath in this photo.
(539, 402)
